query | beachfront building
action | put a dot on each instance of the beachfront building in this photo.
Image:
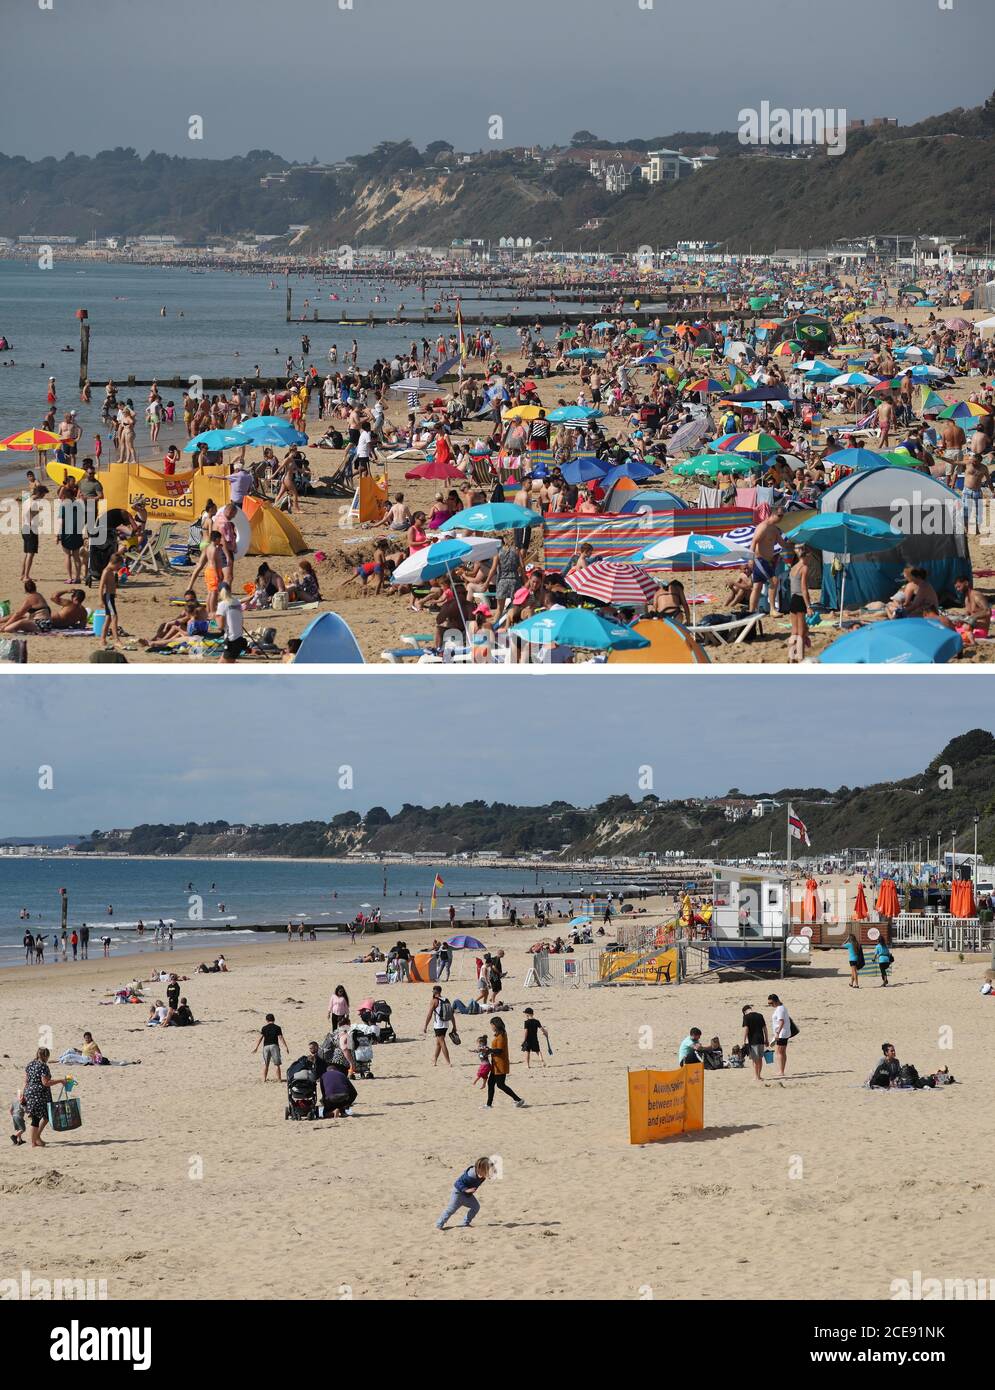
(664, 166)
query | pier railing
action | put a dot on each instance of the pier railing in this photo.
(942, 931)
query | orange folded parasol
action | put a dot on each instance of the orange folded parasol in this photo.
(887, 903)
(860, 909)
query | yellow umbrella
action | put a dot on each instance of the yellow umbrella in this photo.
(851, 318)
(522, 412)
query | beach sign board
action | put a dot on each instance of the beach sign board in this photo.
(634, 967)
(663, 1104)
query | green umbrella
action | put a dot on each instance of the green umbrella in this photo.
(711, 465)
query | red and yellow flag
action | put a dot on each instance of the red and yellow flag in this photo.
(435, 888)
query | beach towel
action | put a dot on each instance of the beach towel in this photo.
(709, 496)
(746, 497)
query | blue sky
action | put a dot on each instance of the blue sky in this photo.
(309, 78)
(127, 748)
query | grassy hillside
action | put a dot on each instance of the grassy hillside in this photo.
(957, 784)
(936, 176)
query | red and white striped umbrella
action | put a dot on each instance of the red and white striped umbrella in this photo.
(613, 582)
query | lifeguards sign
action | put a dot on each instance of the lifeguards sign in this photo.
(665, 1103)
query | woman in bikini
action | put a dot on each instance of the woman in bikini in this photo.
(671, 602)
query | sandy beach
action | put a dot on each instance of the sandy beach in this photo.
(378, 621)
(185, 1180)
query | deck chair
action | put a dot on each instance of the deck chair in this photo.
(155, 551)
(731, 633)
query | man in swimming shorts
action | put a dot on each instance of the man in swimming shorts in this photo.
(766, 539)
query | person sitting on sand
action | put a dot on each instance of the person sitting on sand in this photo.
(40, 618)
(916, 594)
(193, 622)
(888, 1069)
(157, 1015)
(304, 587)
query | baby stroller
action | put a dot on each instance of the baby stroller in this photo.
(364, 1035)
(377, 1011)
(302, 1093)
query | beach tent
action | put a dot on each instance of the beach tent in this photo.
(423, 968)
(622, 500)
(670, 644)
(328, 640)
(273, 532)
(926, 514)
(369, 501)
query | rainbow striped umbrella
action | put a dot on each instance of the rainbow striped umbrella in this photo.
(759, 444)
(964, 410)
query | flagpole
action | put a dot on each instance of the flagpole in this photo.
(431, 903)
(786, 921)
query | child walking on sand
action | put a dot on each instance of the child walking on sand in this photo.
(484, 1070)
(530, 1042)
(464, 1192)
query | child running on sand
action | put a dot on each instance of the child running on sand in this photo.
(464, 1192)
(484, 1070)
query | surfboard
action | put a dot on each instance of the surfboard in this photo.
(62, 472)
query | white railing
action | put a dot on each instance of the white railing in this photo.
(942, 931)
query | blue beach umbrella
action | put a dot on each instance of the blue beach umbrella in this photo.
(845, 533)
(275, 432)
(895, 642)
(582, 471)
(465, 943)
(586, 352)
(491, 516)
(573, 414)
(215, 439)
(632, 469)
(578, 627)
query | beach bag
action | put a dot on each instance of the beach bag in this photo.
(794, 1030)
(859, 956)
(908, 1076)
(64, 1113)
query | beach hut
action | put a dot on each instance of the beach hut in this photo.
(926, 514)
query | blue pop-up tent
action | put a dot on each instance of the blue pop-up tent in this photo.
(927, 515)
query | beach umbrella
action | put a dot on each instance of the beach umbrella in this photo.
(854, 380)
(603, 325)
(583, 470)
(962, 898)
(577, 627)
(925, 372)
(787, 349)
(919, 354)
(957, 325)
(431, 469)
(964, 410)
(932, 402)
(756, 395)
(420, 384)
(30, 441)
(586, 352)
(846, 534)
(861, 912)
(711, 465)
(262, 430)
(217, 439)
(433, 561)
(693, 550)
(613, 581)
(655, 358)
(887, 902)
(491, 516)
(820, 371)
(854, 458)
(581, 921)
(895, 642)
(573, 415)
(926, 304)
(632, 469)
(566, 334)
(759, 444)
(706, 385)
(465, 943)
(522, 412)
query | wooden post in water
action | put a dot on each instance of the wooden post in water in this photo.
(290, 295)
(84, 346)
